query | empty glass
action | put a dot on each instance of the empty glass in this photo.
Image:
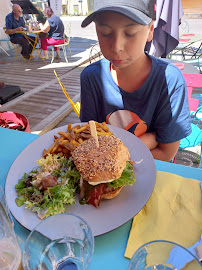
(10, 253)
(62, 242)
(163, 255)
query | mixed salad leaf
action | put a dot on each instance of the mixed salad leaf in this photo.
(50, 187)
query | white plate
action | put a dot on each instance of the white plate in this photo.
(111, 214)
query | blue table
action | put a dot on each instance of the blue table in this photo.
(109, 248)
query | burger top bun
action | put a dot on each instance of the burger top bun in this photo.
(103, 164)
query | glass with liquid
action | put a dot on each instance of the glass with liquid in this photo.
(10, 253)
(59, 242)
(163, 255)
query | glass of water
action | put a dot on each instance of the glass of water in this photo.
(60, 242)
(163, 255)
(10, 252)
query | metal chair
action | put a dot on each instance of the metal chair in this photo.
(15, 46)
(66, 38)
(7, 40)
(195, 138)
(197, 62)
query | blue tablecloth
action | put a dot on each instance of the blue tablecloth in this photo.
(109, 248)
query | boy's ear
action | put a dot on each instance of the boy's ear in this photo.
(151, 32)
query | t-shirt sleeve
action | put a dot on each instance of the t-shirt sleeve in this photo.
(173, 121)
(88, 105)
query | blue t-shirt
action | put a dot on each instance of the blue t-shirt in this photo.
(160, 105)
(12, 23)
(56, 27)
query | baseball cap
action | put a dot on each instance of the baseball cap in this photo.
(140, 11)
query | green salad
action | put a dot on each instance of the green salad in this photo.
(50, 187)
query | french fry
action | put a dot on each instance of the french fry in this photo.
(65, 142)
(104, 133)
(80, 140)
(51, 148)
(75, 143)
(103, 126)
(66, 135)
(81, 129)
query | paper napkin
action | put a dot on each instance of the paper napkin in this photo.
(173, 213)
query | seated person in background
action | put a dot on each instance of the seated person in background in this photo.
(129, 88)
(14, 23)
(54, 27)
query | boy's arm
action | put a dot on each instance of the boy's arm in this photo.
(160, 151)
(165, 152)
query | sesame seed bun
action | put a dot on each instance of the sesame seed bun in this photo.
(103, 164)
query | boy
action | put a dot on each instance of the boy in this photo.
(129, 88)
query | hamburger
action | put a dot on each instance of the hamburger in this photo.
(104, 170)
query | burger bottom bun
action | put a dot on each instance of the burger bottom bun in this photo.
(112, 194)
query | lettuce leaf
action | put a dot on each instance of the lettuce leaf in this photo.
(127, 177)
(54, 199)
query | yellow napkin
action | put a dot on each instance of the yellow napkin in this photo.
(173, 213)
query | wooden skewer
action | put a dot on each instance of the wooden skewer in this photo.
(93, 132)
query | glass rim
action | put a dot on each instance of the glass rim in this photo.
(53, 216)
(163, 241)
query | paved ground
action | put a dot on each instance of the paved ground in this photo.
(195, 24)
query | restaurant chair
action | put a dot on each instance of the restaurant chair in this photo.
(7, 40)
(95, 52)
(195, 138)
(75, 106)
(189, 47)
(15, 46)
(197, 62)
(66, 38)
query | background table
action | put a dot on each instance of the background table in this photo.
(109, 248)
(188, 68)
(28, 35)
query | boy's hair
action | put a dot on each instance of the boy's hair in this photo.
(140, 11)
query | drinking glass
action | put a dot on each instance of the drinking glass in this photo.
(10, 253)
(62, 242)
(163, 255)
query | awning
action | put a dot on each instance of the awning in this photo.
(27, 6)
